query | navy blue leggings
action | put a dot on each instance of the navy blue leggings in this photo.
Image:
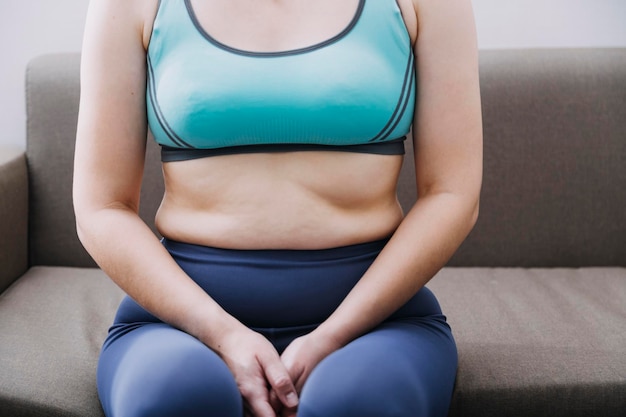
(405, 367)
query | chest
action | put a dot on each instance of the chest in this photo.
(352, 88)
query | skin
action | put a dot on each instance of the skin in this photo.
(303, 200)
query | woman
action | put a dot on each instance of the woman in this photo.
(288, 282)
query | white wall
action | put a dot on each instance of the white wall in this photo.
(32, 27)
(29, 28)
(547, 23)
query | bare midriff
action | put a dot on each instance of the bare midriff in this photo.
(291, 200)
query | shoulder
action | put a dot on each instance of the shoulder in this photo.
(446, 34)
(436, 15)
(128, 17)
(443, 15)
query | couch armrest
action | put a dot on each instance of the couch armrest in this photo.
(13, 215)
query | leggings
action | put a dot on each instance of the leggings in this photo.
(405, 367)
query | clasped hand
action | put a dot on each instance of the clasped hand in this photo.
(269, 383)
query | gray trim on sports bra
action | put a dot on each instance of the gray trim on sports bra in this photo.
(344, 32)
(392, 147)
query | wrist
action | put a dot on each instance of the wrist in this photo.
(335, 337)
(215, 327)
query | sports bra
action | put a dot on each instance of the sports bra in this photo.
(353, 92)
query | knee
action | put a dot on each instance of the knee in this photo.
(360, 400)
(191, 391)
(370, 378)
(337, 392)
(187, 379)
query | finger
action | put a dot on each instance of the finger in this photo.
(257, 401)
(279, 380)
(259, 407)
(297, 377)
(275, 402)
(299, 383)
(296, 370)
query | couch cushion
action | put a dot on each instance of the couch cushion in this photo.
(14, 215)
(52, 324)
(532, 342)
(554, 183)
(537, 342)
(52, 92)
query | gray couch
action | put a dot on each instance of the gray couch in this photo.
(536, 295)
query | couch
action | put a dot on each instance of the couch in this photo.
(536, 295)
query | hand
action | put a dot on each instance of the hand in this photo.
(300, 358)
(258, 369)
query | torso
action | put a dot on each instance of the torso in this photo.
(298, 200)
(302, 200)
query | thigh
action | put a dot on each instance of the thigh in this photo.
(404, 368)
(155, 370)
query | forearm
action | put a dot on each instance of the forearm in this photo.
(128, 251)
(425, 240)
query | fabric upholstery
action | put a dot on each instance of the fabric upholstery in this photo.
(540, 342)
(554, 187)
(555, 158)
(535, 342)
(14, 215)
(53, 321)
(52, 93)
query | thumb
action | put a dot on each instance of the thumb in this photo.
(278, 378)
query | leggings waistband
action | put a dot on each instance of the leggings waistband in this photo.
(278, 288)
(190, 251)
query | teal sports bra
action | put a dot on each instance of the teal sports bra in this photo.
(353, 92)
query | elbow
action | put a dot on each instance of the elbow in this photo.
(96, 218)
(474, 214)
(88, 221)
(81, 222)
(82, 211)
(471, 216)
(80, 231)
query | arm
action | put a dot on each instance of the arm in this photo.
(110, 149)
(448, 160)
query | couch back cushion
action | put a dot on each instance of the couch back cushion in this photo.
(52, 96)
(555, 159)
(554, 187)
(554, 183)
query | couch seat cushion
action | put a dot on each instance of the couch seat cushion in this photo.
(537, 342)
(532, 342)
(53, 321)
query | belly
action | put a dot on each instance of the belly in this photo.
(295, 200)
